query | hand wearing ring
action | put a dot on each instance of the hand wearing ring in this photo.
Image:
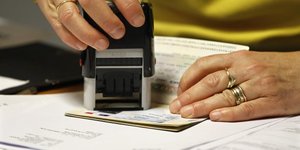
(65, 18)
(215, 82)
(258, 88)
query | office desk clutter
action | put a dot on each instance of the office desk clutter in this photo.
(39, 121)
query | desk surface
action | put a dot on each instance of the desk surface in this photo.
(71, 88)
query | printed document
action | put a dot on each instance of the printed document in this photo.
(38, 122)
(281, 134)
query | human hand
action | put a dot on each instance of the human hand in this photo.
(64, 17)
(270, 81)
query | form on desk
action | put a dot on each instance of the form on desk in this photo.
(38, 122)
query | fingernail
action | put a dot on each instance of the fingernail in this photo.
(215, 116)
(175, 106)
(138, 20)
(117, 33)
(81, 46)
(187, 111)
(101, 44)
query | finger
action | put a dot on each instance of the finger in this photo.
(206, 65)
(211, 84)
(202, 108)
(200, 68)
(100, 12)
(66, 36)
(208, 86)
(70, 17)
(258, 108)
(49, 12)
(132, 11)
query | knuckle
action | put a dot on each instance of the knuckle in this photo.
(231, 116)
(129, 4)
(269, 80)
(212, 80)
(196, 111)
(242, 53)
(185, 98)
(201, 109)
(200, 61)
(56, 25)
(254, 68)
(270, 84)
(109, 24)
(228, 97)
(248, 110)
(66, 15)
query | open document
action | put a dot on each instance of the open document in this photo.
(173, 57)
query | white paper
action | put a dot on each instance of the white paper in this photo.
(39, 122)
(7, 82)
(282, 134)
(174, 55)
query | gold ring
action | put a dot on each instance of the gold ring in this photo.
(63, 2)
(239, 95)
(231, 79)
